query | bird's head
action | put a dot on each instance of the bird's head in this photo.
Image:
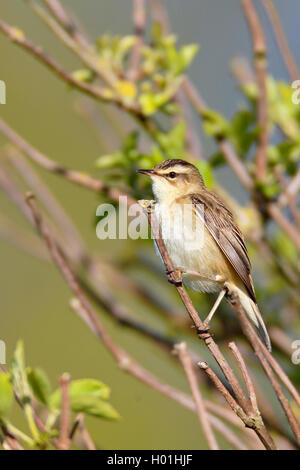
(174, 178)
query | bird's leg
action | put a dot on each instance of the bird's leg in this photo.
(175, 276)
(213, 309)
(209, 277)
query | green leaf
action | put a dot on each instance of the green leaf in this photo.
(173, 143)
(19, 375)
(285, 247)
(269, 188)
(39, 384)
(6, 394)
(111, 161)
(84, 75)
(217, 159)
(82, 387)
(148, 103)
(94, 406)
(187, 54)
(91, 387)
(215, 124)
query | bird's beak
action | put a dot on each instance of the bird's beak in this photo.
(146, 172)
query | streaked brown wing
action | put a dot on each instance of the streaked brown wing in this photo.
(221, 224)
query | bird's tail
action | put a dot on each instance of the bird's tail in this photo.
(254, 314)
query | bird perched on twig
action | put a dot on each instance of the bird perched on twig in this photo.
(202, 237)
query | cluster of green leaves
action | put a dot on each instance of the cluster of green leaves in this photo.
(88, 396)
(241, 131)
(123, 164)
(163, 68)
(160, 73)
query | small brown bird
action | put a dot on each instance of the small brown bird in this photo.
(218, 262)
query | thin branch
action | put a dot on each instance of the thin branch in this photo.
(17, 36)
(281, 340)
(291, 200)
(282, 375)
(66, 21)
(75, 176)
(139, 20)
(51, 203)
(284, 223)
(86, 54)
(225, 146)
(65, 417)
(248, 421)
(187, 364)
(10, 441)
(260, 64)
(282, 42)
(23, 239)
(246, 376)
(261, 353)
(84, 435)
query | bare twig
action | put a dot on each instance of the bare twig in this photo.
(261, 353)
(21, 238)
(225, 146)
(283, 222)
(65, 417)
(71, 175)
(187, 364)
(10, 441)
(139, 19)
(249, 421)
(246, 376)
(46, 196)
(17, 36)
(84, 435)
(260, 64)
(282, 42)
(66, 21)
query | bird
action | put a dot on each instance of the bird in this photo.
(207, 247)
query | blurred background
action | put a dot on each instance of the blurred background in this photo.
(46, 112)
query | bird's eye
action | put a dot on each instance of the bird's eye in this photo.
(172, 174)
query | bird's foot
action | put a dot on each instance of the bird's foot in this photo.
(174, 276)
(231, 295)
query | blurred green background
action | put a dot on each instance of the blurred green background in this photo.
(34, 298)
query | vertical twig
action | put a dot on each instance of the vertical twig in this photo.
(246, 376)
(282, 42)
(187, 364)
(260, 64)
(139, 20)
(65, 417)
